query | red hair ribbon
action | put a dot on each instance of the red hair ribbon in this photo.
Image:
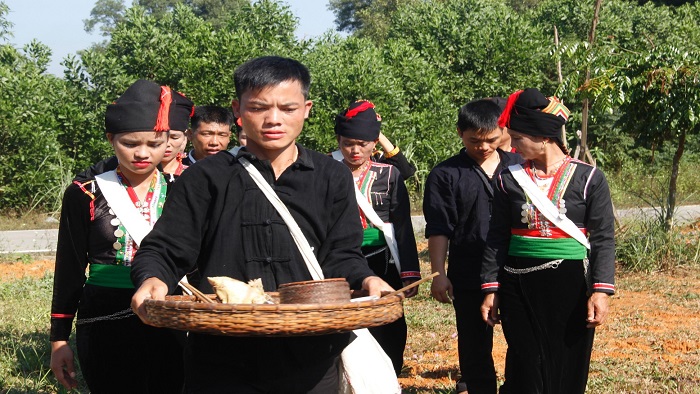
(504, 119)
(166, 98)
(362, 107)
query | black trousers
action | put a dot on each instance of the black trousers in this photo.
(543, 314)
(270, 365)
(391, 337)
(126, 355)
(474, 344)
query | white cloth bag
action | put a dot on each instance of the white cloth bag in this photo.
(365, 368)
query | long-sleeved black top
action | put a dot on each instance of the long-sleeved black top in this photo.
(217, 219)
(392, 204)
(588, 205)
(406, 169)
(86, 235)
(457, 204)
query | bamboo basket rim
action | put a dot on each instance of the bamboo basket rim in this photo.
(184, 313)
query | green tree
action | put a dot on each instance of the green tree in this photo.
(365, 18)
(663, 104)
(105, 15)
(34, 166)
(178, 49)
(108, 13)
(346, 13)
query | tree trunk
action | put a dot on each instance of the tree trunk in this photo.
(673, 182)
(584, 114)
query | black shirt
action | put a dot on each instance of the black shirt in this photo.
(217, 218)
(457, 204)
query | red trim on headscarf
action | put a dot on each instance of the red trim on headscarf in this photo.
(362, 107)
(166, 98)
(504, 119)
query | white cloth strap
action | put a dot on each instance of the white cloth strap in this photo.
(120, 202)
(386, 228)
(298, 236)
(545, 205)
(365, 368)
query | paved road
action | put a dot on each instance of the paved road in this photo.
(44, 241)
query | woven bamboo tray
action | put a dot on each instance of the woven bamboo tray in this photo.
(183, 313)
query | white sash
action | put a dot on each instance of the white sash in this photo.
(120, 202)
(365, 367)
(545, 205)
(371, 214)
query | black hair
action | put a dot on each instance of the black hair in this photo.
(560, 144)
(479, 116)
(211, 114)
(261, 72)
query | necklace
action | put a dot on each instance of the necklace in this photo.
(145, 206)
(355, 168)
(557, 163)
(150, 210)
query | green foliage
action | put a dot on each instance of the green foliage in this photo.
(347, 13)
(647, 246)
(34, 166)
(418, 61)
(105, 14)
(25, 352)
(479, 48)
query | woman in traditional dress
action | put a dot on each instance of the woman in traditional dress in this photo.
(549, 263)
(174, 153)
(102, 223)
(383, 191)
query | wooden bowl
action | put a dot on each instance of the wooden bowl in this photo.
(327, 291)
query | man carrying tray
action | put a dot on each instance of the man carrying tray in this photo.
(218, 219)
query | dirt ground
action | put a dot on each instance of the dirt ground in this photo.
(654, 320)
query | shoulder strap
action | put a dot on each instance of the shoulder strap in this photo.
(486, 181)
(367, 208)
(120, 202)
(298, 236)
(546, 206)
(387, 228)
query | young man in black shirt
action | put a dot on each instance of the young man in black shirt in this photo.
(218, 219)
(457, 209)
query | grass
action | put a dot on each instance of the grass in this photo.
(650, 344)
(641, 185)
(33, 220)
(25, 352)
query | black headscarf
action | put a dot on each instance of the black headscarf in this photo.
(146, 106)
(530, 112)
(359, 122)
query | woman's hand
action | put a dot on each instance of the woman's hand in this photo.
(597, 309)
(489, 309)
(153, 288)
(62, 364)
(441, 289)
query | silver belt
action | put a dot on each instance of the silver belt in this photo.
(551, 264)
(376, 252)
(114, 316)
